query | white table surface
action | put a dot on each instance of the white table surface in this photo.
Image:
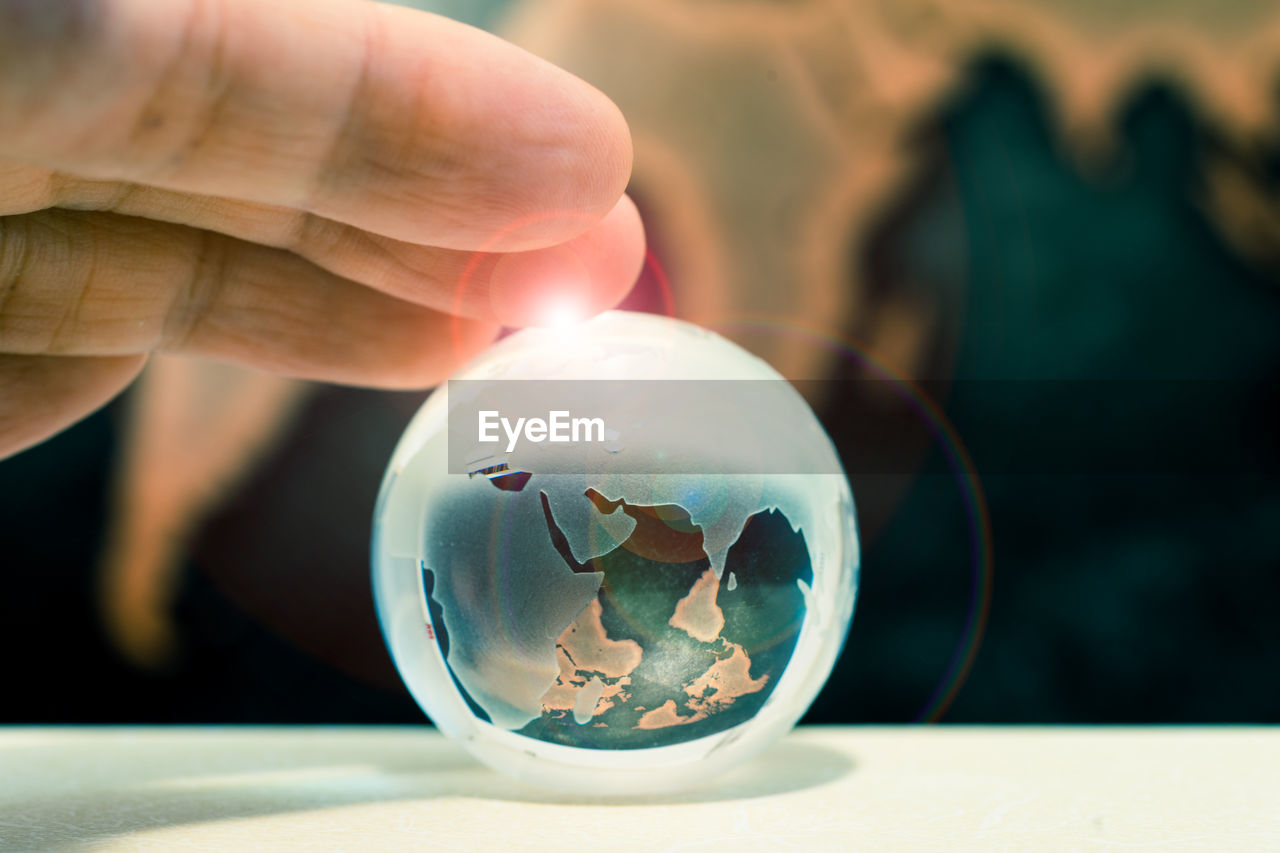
(870, 788)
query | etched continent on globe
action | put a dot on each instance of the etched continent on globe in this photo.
(666, 651)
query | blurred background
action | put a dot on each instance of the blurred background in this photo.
(1052, 225)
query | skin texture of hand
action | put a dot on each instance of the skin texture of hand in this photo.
(326, 189)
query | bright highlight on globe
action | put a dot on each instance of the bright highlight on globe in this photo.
(616, 558)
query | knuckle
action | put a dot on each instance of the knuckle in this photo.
(187, 94)
(377, 135)
(34, 310)
(191, 301)
(13, 252)
(14, 261)
(347, 134)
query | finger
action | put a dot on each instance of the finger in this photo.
(581, 277)
(388, 119)
(76, 283)
(41, 395)
(573, 280)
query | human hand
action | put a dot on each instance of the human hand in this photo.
(328, 189)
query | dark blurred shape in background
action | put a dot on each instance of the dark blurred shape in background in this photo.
(1005, 238)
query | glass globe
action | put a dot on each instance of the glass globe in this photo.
(636, 615)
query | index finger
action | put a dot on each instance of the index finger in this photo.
(392, 120)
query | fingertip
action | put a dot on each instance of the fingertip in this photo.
(619, 247)
(572, 281)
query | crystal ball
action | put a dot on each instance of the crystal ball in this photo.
(633, 613)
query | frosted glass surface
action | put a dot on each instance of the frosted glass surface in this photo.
(616, 632)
